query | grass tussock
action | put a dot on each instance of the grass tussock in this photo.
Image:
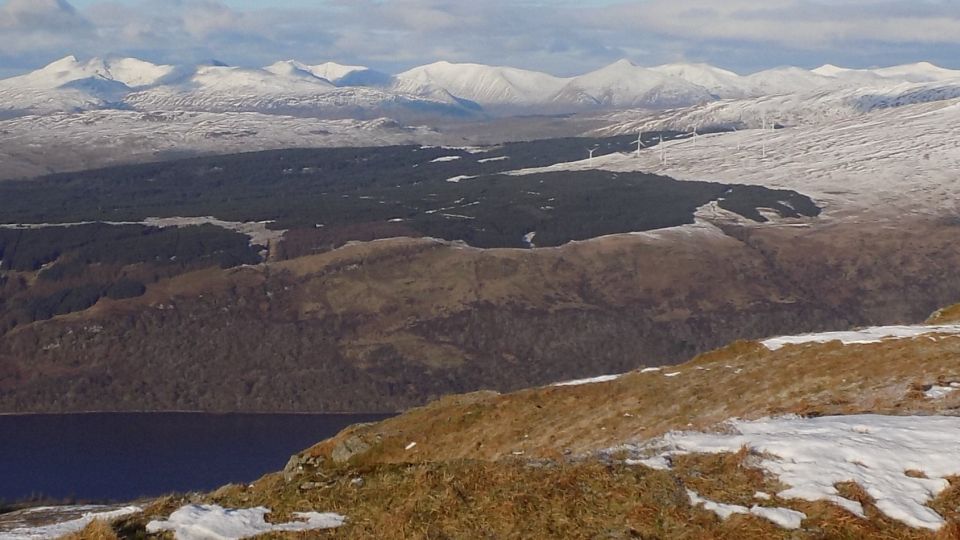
(549, 499)
(96, 530)
(947, 315)
(743, 380)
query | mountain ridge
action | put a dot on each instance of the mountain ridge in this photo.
(446, 88)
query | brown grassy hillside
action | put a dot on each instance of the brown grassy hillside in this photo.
(387, 325)
(526, 464)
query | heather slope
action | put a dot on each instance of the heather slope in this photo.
(562, 460)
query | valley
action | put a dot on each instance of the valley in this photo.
(628, 303)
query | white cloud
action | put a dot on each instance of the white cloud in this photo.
(564, 37)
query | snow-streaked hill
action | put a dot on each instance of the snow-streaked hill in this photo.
(821, 106)
(69, 85)
(489, 86)
(338, 74)
(892, 162)
(460, 90)
(105, 137)
(623, 84)
(719, 82)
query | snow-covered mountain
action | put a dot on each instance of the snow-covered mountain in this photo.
(338, 74)
(489, 86)
(821, 106)
(719, 82)
(623, 84)
(444, 89)
(69, 85)
(919, 72)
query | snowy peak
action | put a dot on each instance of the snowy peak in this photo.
(486, 85)
(129, 72)
(623, 84)
(720, 82)
(919, 72)
(330, 71)
(333, 71)
(830, 70)
(234, 80)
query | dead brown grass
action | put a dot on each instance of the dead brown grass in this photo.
(947, 315)
(742, 380)
(96, 530)
(523, 499)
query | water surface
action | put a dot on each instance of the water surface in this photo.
(121, 456)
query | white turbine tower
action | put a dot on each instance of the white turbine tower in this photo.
(763, 135)
(592, 150)
(663, 152)
(639, 142)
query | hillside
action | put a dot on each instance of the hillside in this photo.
(623, 266)
(834, 435)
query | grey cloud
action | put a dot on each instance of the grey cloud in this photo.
(563, 37)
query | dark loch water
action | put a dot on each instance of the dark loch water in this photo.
(124, 456)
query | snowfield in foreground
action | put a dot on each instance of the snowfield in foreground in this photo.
(212, 522)
(812, 455)
(874, 334)
(63, 528)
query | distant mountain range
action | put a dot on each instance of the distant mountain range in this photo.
(442, 89)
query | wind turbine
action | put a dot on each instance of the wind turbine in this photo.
(592, 150)
(763, 131)
(639, 142)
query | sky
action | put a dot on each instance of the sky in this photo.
(563, 37)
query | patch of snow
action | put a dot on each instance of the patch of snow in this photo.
(784, 517)
(874, 334)
(763, 496)
(528, 239)
(410, 446)
(720, 509)
(445, 159)
(591, 380)
(488, 160)
(57, 530)
(811, 455)
(674, 374)
(659, 463)
(651, 369)
(212, 522)
(939, 392)
(457, 179)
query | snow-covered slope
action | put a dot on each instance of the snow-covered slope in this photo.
(623, 84)
(719, 82)
(285, 91)
(105, 137)
(338, 74)
(892, 161)
(489, 86)
(333, 90)
(789, 80)
(69, 84)
(789, 109)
